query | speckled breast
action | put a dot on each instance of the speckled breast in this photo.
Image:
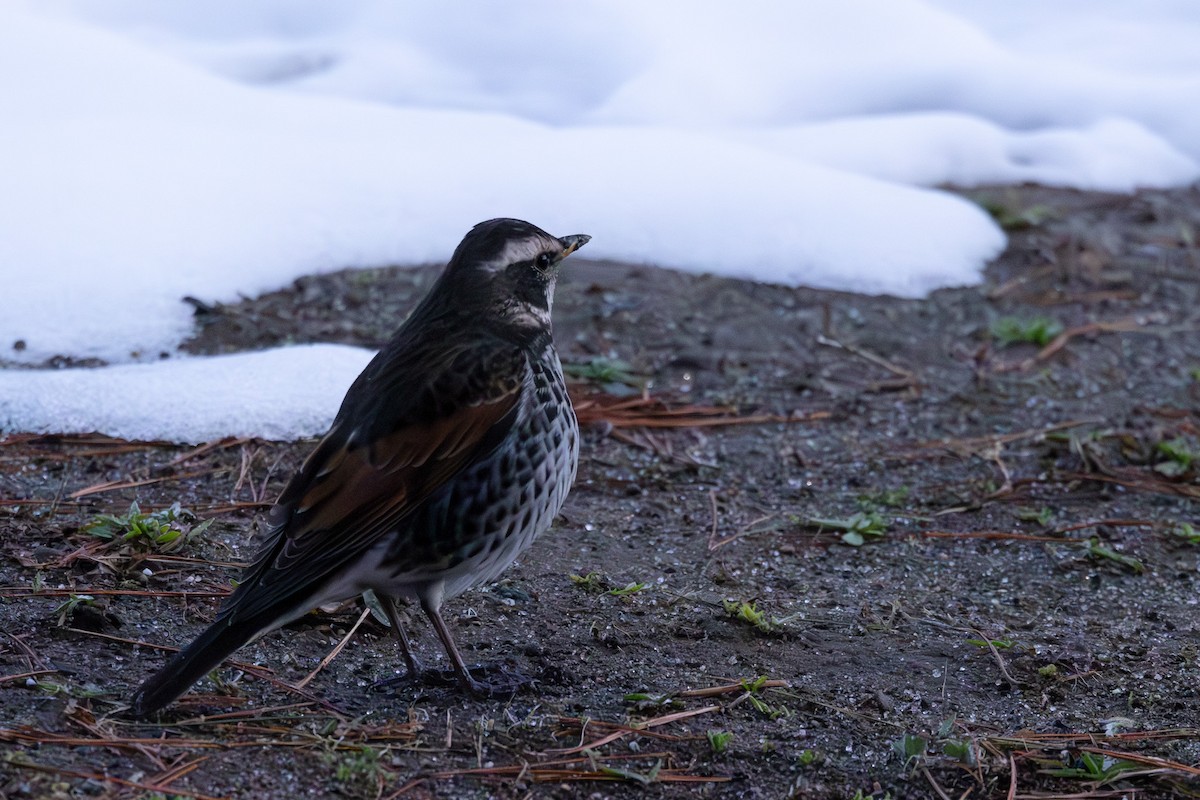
(474, 529)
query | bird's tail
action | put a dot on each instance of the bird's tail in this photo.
(192, 663)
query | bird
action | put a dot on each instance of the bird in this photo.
(451, 452)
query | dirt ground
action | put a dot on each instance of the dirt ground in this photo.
(821, 545)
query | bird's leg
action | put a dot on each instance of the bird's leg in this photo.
(389, 607)
(469, 683)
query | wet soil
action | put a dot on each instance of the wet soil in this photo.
(821, 545)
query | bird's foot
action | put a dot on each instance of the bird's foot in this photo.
(494, 680)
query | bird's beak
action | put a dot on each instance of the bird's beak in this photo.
(573, 242)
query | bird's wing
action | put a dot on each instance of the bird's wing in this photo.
(389, 449)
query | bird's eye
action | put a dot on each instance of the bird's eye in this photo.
(543, 262)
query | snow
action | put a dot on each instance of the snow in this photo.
(151, 151)
(188, 399)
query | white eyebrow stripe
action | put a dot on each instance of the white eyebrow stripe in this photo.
(516, 250)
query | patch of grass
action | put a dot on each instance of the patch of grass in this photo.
(164, 530)
(1015, 330)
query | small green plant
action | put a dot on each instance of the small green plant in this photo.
(605, 371)
(66, 610)
(644, 778)
(719, 740)
(357, 767)
(911, 747)
(860, 795)
(1042, 516)
(1180, 455)
(961, 750)
(158, 530)
(915, 748)
(1099, 551)
(753, 695)
(1185, 532)
(858, 527)
(592, 582)
(1013, 330)
(642, 702)
(627, 590)
(886, 498)
(747, 612)
(1012, 216)
(596, 583)
(808, 758)
(1095, 767)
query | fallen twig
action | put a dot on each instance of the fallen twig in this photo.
(335, 651)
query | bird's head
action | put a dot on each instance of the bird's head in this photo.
(505, 269)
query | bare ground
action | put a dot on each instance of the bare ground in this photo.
(1019, 618)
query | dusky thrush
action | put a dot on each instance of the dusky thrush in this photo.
(451, 452)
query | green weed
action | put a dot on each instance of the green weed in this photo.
(885, 498)
(629, 589)
(592, 582)
(1099, 551)
(1012, 216)
(66, 610)
(753, 689)
(858, 527)
(164, 530)
(1181, 455)
(747, 612)
(605, 371)
(1042, 516)
(1095, 767)
(1038, 330)
(719, 740)
(1185, 532)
